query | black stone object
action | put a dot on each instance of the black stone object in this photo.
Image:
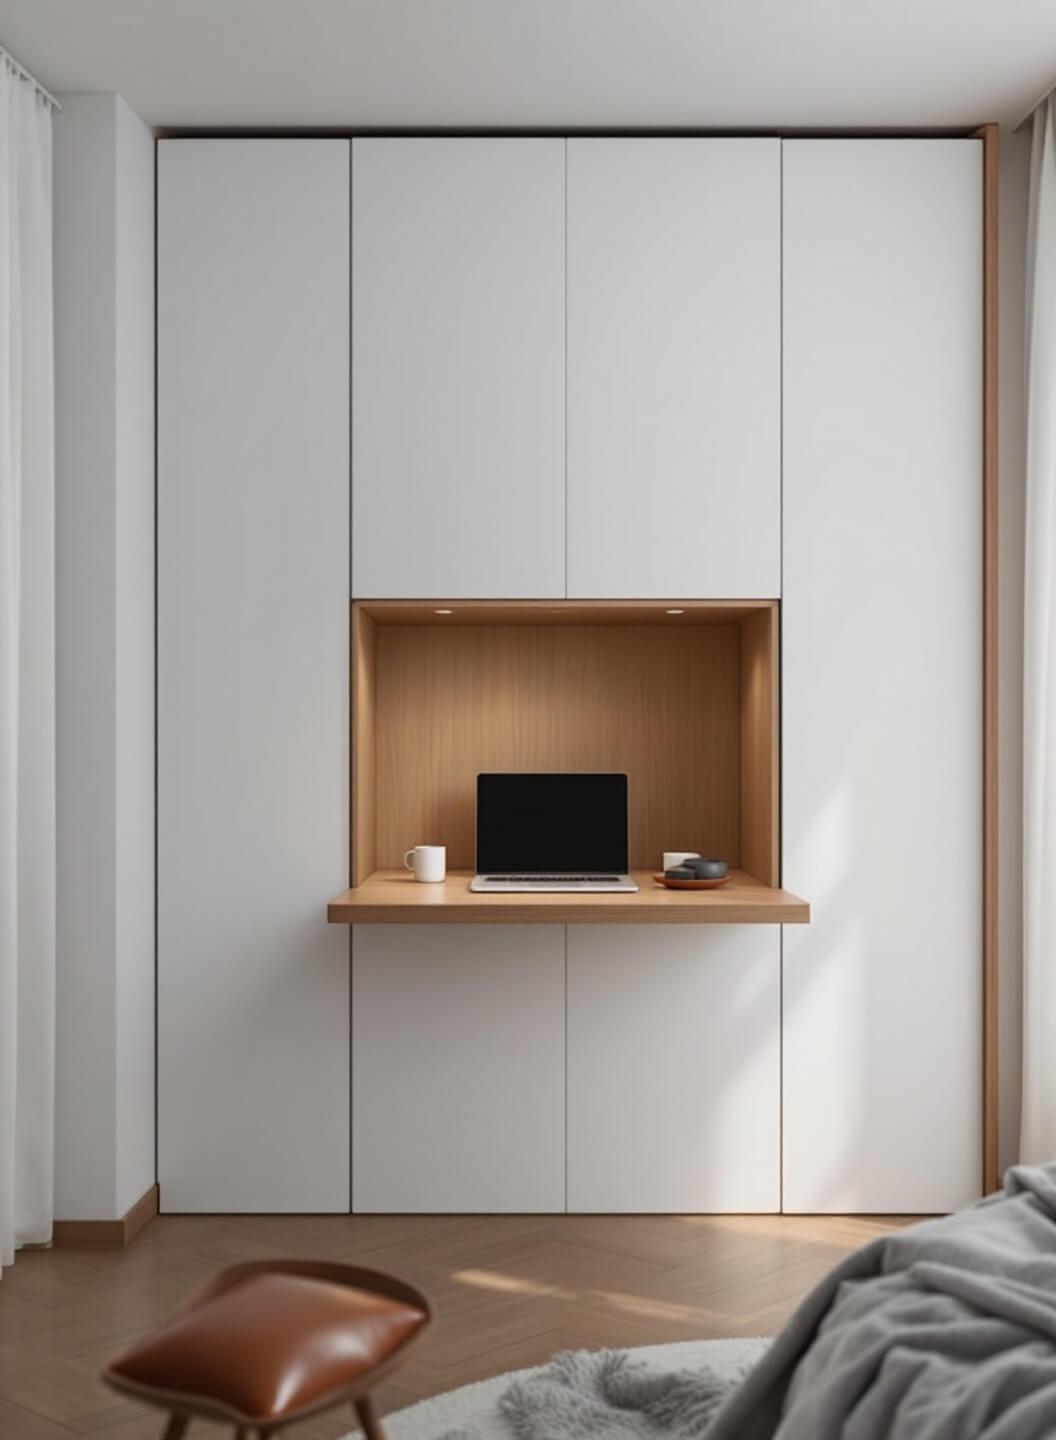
(704, 869)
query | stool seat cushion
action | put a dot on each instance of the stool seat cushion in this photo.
(268, 1346)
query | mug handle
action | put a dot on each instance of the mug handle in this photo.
(405, 854)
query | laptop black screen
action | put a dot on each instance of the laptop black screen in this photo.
(572, 824)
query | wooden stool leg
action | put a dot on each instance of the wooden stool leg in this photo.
(176, 1428)
(368, 1419)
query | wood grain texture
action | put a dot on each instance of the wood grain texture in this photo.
(660, 704)
(364, 808)
(508, 1291)
(107, 1234)
(991, 146)
(393, 897)
(760, 746)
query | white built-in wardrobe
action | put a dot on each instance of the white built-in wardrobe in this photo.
(603, 368)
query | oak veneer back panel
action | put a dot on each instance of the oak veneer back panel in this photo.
(253, 1044)
(662, 705)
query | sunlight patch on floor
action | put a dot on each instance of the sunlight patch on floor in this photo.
(511, 1285)
(652, 1309)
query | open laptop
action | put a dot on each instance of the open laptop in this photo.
(551, 832)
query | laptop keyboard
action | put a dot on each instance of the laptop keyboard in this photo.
(552, 879)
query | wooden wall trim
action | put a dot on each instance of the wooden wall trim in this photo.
(107, 1234)
(761, 746)
(364, 767)
(988, 134)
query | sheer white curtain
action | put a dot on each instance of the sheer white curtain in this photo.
(1038, 1135)
(27, 670)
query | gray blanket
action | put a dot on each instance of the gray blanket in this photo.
(943, 1331)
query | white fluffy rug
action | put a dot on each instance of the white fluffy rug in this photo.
(474, 1409)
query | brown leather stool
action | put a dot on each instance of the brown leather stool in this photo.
(268, 1343)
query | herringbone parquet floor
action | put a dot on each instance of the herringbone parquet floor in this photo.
(507, 1290)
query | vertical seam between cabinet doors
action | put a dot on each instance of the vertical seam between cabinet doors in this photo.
(778, 620)
(352, 1086)
(779, 818)
(157, 1152)
(565, 417)
(354, 634)
(566, 1068)
(352, 323)
(781, 371)
(352, 797)
(781, 1072)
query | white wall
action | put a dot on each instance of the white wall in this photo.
(104, 357)
(1015, 179)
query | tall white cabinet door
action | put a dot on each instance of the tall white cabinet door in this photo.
(674, 1069)
(674, 368)
(458, 1068)
(252, 674)
(882, 673)
(458, 368)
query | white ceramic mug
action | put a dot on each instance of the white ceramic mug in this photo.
(429, 862)
(676, 857)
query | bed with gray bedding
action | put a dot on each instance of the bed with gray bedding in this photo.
(943, 1331)
(946, 1329)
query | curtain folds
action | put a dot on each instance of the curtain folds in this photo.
(27, 670)
(1038, 1134)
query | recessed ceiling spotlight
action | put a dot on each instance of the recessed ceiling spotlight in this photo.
(443, 612)
(674, 612)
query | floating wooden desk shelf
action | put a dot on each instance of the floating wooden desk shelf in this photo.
(679, 694)
(392, 897)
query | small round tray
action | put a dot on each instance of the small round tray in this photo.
(663, 880)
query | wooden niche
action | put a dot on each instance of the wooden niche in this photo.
(682, 695)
